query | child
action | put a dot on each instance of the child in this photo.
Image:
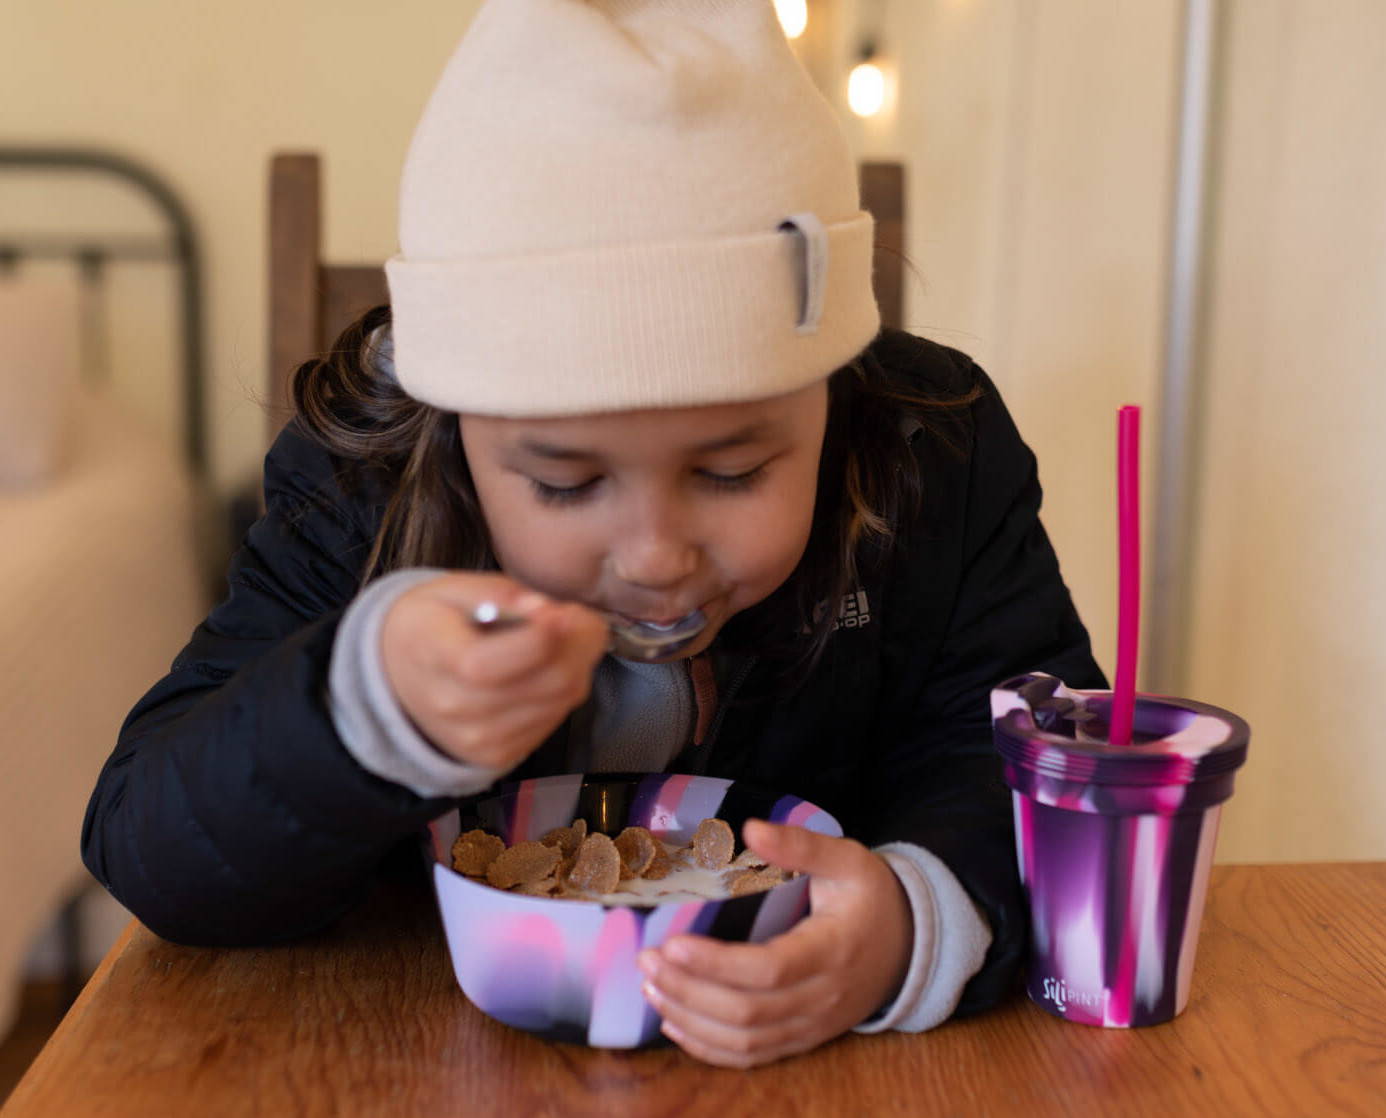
(632, 365)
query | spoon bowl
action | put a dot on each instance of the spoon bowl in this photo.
(630, 640)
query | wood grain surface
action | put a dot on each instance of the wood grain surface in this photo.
(1287, 1017)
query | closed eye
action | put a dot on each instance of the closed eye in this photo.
(562, 494)
(732, 482)
(572, 494)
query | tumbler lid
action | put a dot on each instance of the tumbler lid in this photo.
(1043, 726)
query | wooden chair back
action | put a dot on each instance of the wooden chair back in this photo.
(311, 301)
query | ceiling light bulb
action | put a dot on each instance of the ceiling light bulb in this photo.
(866, 89)
(793, 16)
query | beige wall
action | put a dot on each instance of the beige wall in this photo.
(1039, 139)
(1291, 587)
(1037, 207)
(203, 93)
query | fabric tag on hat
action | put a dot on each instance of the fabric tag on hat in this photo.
(812, 240)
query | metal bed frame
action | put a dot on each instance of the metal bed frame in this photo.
(91, 253)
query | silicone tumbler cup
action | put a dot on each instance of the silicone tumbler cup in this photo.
(1114, 842)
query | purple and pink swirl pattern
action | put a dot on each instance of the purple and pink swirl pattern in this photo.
(566, 969)
(1114, 843)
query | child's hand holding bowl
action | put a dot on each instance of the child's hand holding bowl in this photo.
(742, 1004)
(488, 699)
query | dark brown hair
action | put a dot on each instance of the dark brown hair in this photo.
(868, 481)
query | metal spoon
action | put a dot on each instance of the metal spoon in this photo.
(630, 640)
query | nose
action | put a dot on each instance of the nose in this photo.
(655, 551)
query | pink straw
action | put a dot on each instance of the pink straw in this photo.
(1129, 572)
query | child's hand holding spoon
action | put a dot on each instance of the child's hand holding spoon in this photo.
(488, 698)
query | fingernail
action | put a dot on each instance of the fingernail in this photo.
(673, 1032)
(679, 951)
(653, 996)
(648, 962)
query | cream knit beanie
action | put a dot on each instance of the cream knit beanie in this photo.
(616, 204)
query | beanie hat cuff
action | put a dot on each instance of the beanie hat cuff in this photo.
(670, 324)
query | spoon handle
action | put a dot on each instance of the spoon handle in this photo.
(488, 615)
(625, 639)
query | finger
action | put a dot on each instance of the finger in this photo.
(797, 848)
(583, 630)
(552, 632)
(465, 590)
(786, 959)
(726, 1058)
(430, 628)
(548, 695)
(727, 1046)
(553, 684)
(497, 658)
(732, 1005)
(501, 740)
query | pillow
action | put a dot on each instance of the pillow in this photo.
(39, 356)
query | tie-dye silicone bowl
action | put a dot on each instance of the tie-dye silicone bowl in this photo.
(565, 969)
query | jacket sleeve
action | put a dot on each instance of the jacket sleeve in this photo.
(229, 813)
(977, 598)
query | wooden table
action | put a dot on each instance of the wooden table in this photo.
(1287, 1017)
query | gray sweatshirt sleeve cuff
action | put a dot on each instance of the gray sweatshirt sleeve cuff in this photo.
(368, 717)
(950, 942)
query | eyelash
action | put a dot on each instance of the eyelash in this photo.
(558, 494)
(572, 494)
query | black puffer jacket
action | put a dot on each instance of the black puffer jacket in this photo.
(230, 813)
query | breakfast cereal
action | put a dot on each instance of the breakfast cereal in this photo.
(523, 864)
(634, 868)
(598, 865)
(713, 843)
(474, 851)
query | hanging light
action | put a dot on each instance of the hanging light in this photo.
(866, 85)
(793, 16)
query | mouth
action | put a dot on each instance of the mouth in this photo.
(662, 626)
(650, 641)
(661, 623)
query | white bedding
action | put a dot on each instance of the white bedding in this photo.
(100, 585)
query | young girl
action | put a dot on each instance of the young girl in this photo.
(632, 366)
